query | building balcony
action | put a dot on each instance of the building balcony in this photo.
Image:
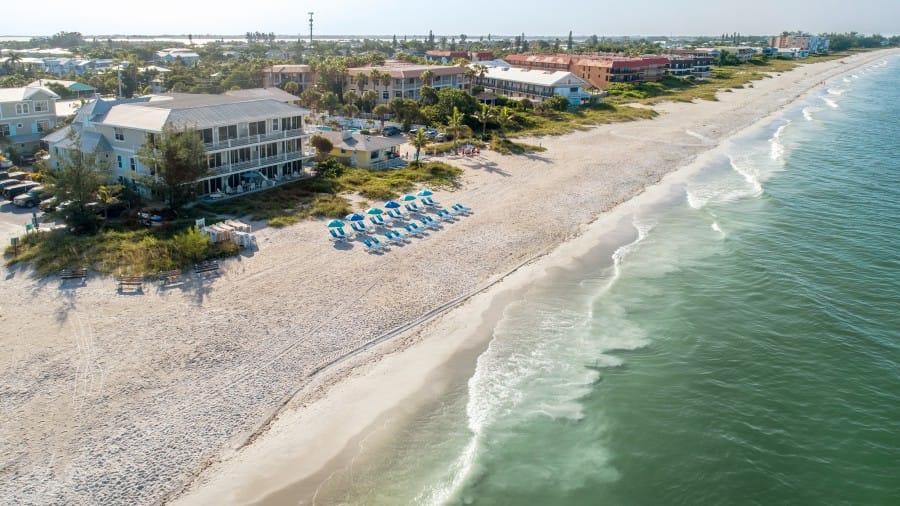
(257, 163)
(254, 139)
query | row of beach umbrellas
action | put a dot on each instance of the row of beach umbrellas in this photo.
(376, 210)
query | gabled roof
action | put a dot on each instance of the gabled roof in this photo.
(25, 93)
(70, 85)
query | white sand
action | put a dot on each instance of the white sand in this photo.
(120, 399)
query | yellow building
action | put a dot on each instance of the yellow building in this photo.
(366, 151)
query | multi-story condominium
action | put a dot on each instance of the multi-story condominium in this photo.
(444, 57)
(535, 85)
(598, 70)
(279, 75)
(405, 79)
(26, 115)
(689, 62)
(252, 140)
(800, 40)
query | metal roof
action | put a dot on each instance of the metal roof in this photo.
(360, 142)
(25, 93)
(536, 77)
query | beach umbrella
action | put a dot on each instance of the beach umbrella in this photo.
(407, 198)
(390, 204)
(425, 193)
(354, 217)
(335, 224)
(374, 210)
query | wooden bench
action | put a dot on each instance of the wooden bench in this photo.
(136, 283)
(169, 277)
(204, 267)
(81, 274)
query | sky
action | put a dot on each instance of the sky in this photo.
(454, 17)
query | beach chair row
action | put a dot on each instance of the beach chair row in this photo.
(407, 227)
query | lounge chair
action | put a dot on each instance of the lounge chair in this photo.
(429, 202)
(445, 215)
(359, 227)
(413, 208)
(461, 209)
(397, 214)
(337, 236)
(415, 230)
(392, 236)
(378, 243)
(373, 246)
(430, 222)
(376, 220)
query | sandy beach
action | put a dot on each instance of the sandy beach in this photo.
(236, 388)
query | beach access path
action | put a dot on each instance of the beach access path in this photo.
(114, 398)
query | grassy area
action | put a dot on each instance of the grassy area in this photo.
(291, 203)
(115, 251)
(508, 147)
(675, 89)
(558, 123)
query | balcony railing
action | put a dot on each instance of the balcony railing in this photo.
(229, 168)
(253, 139)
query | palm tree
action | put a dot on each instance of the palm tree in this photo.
(484, 115)
(381, 110)
(455, 123)
(386, 80)
(504, 119)
(351, 97)
(361, 80)
(427, 77)
(469, 74)
(419, 141)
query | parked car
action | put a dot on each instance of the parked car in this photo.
(440, 137)
(48, 205)
(390, 131)
(13, 191)
(30, 198)
(9, 182)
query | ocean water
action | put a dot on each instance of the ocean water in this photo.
(741, 347)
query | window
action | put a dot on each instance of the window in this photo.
(133, 163)
(292, 123)
(385, 95)
(206, 134)
(119, 163)
(41, 106)
(4, 130)
(271, 149)
(274, 125)
(227, 132)
(118, 134)
(258, 128)
(214, 160)
(43, 125)
(573, 90)
(23, 108)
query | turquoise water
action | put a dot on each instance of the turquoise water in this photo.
(742, 348)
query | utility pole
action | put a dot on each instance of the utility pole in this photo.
(119, 77)
(310, 29)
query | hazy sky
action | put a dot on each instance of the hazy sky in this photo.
(453, 17)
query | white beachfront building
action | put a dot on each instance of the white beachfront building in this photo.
(254, 139)
(535, 85)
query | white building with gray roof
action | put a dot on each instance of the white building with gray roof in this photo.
(535, 85)
(252, 140)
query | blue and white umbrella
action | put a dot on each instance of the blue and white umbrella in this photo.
(374, 210)
(355, 217)
(335, 224)
(425, 193)
(390, 204)
(408, 198)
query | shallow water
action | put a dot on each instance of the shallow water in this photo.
(742, 347)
